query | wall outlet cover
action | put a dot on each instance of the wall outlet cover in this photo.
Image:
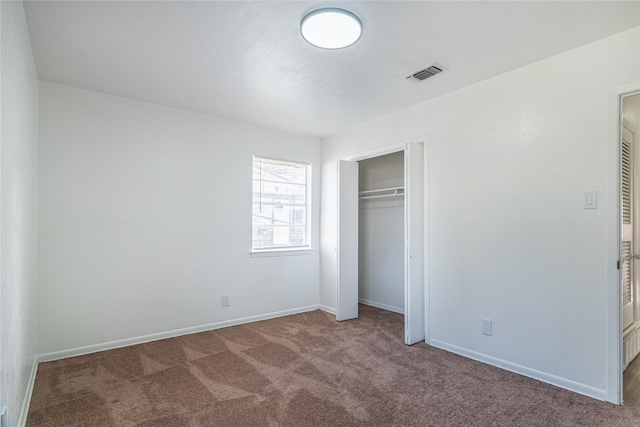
(487, 327)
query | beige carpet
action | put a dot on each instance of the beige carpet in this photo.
(301, 370)
(631, 381)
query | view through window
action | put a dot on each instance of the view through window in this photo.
(280, 204)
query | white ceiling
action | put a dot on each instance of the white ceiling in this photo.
(245, 60)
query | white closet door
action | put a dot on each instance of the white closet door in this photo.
(627, 249)
(347, 251)
(414, 243)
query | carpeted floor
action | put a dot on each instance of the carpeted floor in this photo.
(301, 370)
(631, 382)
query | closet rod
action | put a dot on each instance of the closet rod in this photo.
(381, 190)
(394, 194)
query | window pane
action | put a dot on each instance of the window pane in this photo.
(279, 211)
(270, 236)
(278, 192)
(267, 170)
(278, 215)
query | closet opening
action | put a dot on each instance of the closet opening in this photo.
(381, 232)
(381, 235)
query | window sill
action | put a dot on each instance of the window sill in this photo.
(280, 252)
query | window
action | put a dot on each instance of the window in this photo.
(280, 204)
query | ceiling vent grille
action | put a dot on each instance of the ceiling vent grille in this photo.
(425, 74)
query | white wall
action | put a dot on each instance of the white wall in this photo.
(145, 221)
(381, 234)
(18, 210)
(508, 161)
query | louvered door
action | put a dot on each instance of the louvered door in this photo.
(626, 250)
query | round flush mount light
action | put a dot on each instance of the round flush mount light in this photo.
(331, 28)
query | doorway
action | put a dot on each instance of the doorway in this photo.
(630, 246)
(381, 232)
(383, 181)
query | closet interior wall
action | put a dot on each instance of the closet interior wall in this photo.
(381, 232)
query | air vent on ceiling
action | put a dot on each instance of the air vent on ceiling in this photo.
(426, 73)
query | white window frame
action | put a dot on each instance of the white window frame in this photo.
(285, 250)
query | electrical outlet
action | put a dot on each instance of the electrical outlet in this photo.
(487, 327)
(225, 300)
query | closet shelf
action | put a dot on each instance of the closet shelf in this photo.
(381, 192)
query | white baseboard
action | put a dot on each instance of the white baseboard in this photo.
(382, 306)
(78, 351)
(327, 309)
(24, 411)
(523, 370)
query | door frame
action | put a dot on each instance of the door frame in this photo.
(614, 353)
(394, 148)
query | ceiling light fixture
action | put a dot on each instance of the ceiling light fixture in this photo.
(331, 28)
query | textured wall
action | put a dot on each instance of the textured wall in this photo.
(508, 162)
(145, 220)
(18, 209)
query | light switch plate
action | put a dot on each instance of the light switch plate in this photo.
(590, 200)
